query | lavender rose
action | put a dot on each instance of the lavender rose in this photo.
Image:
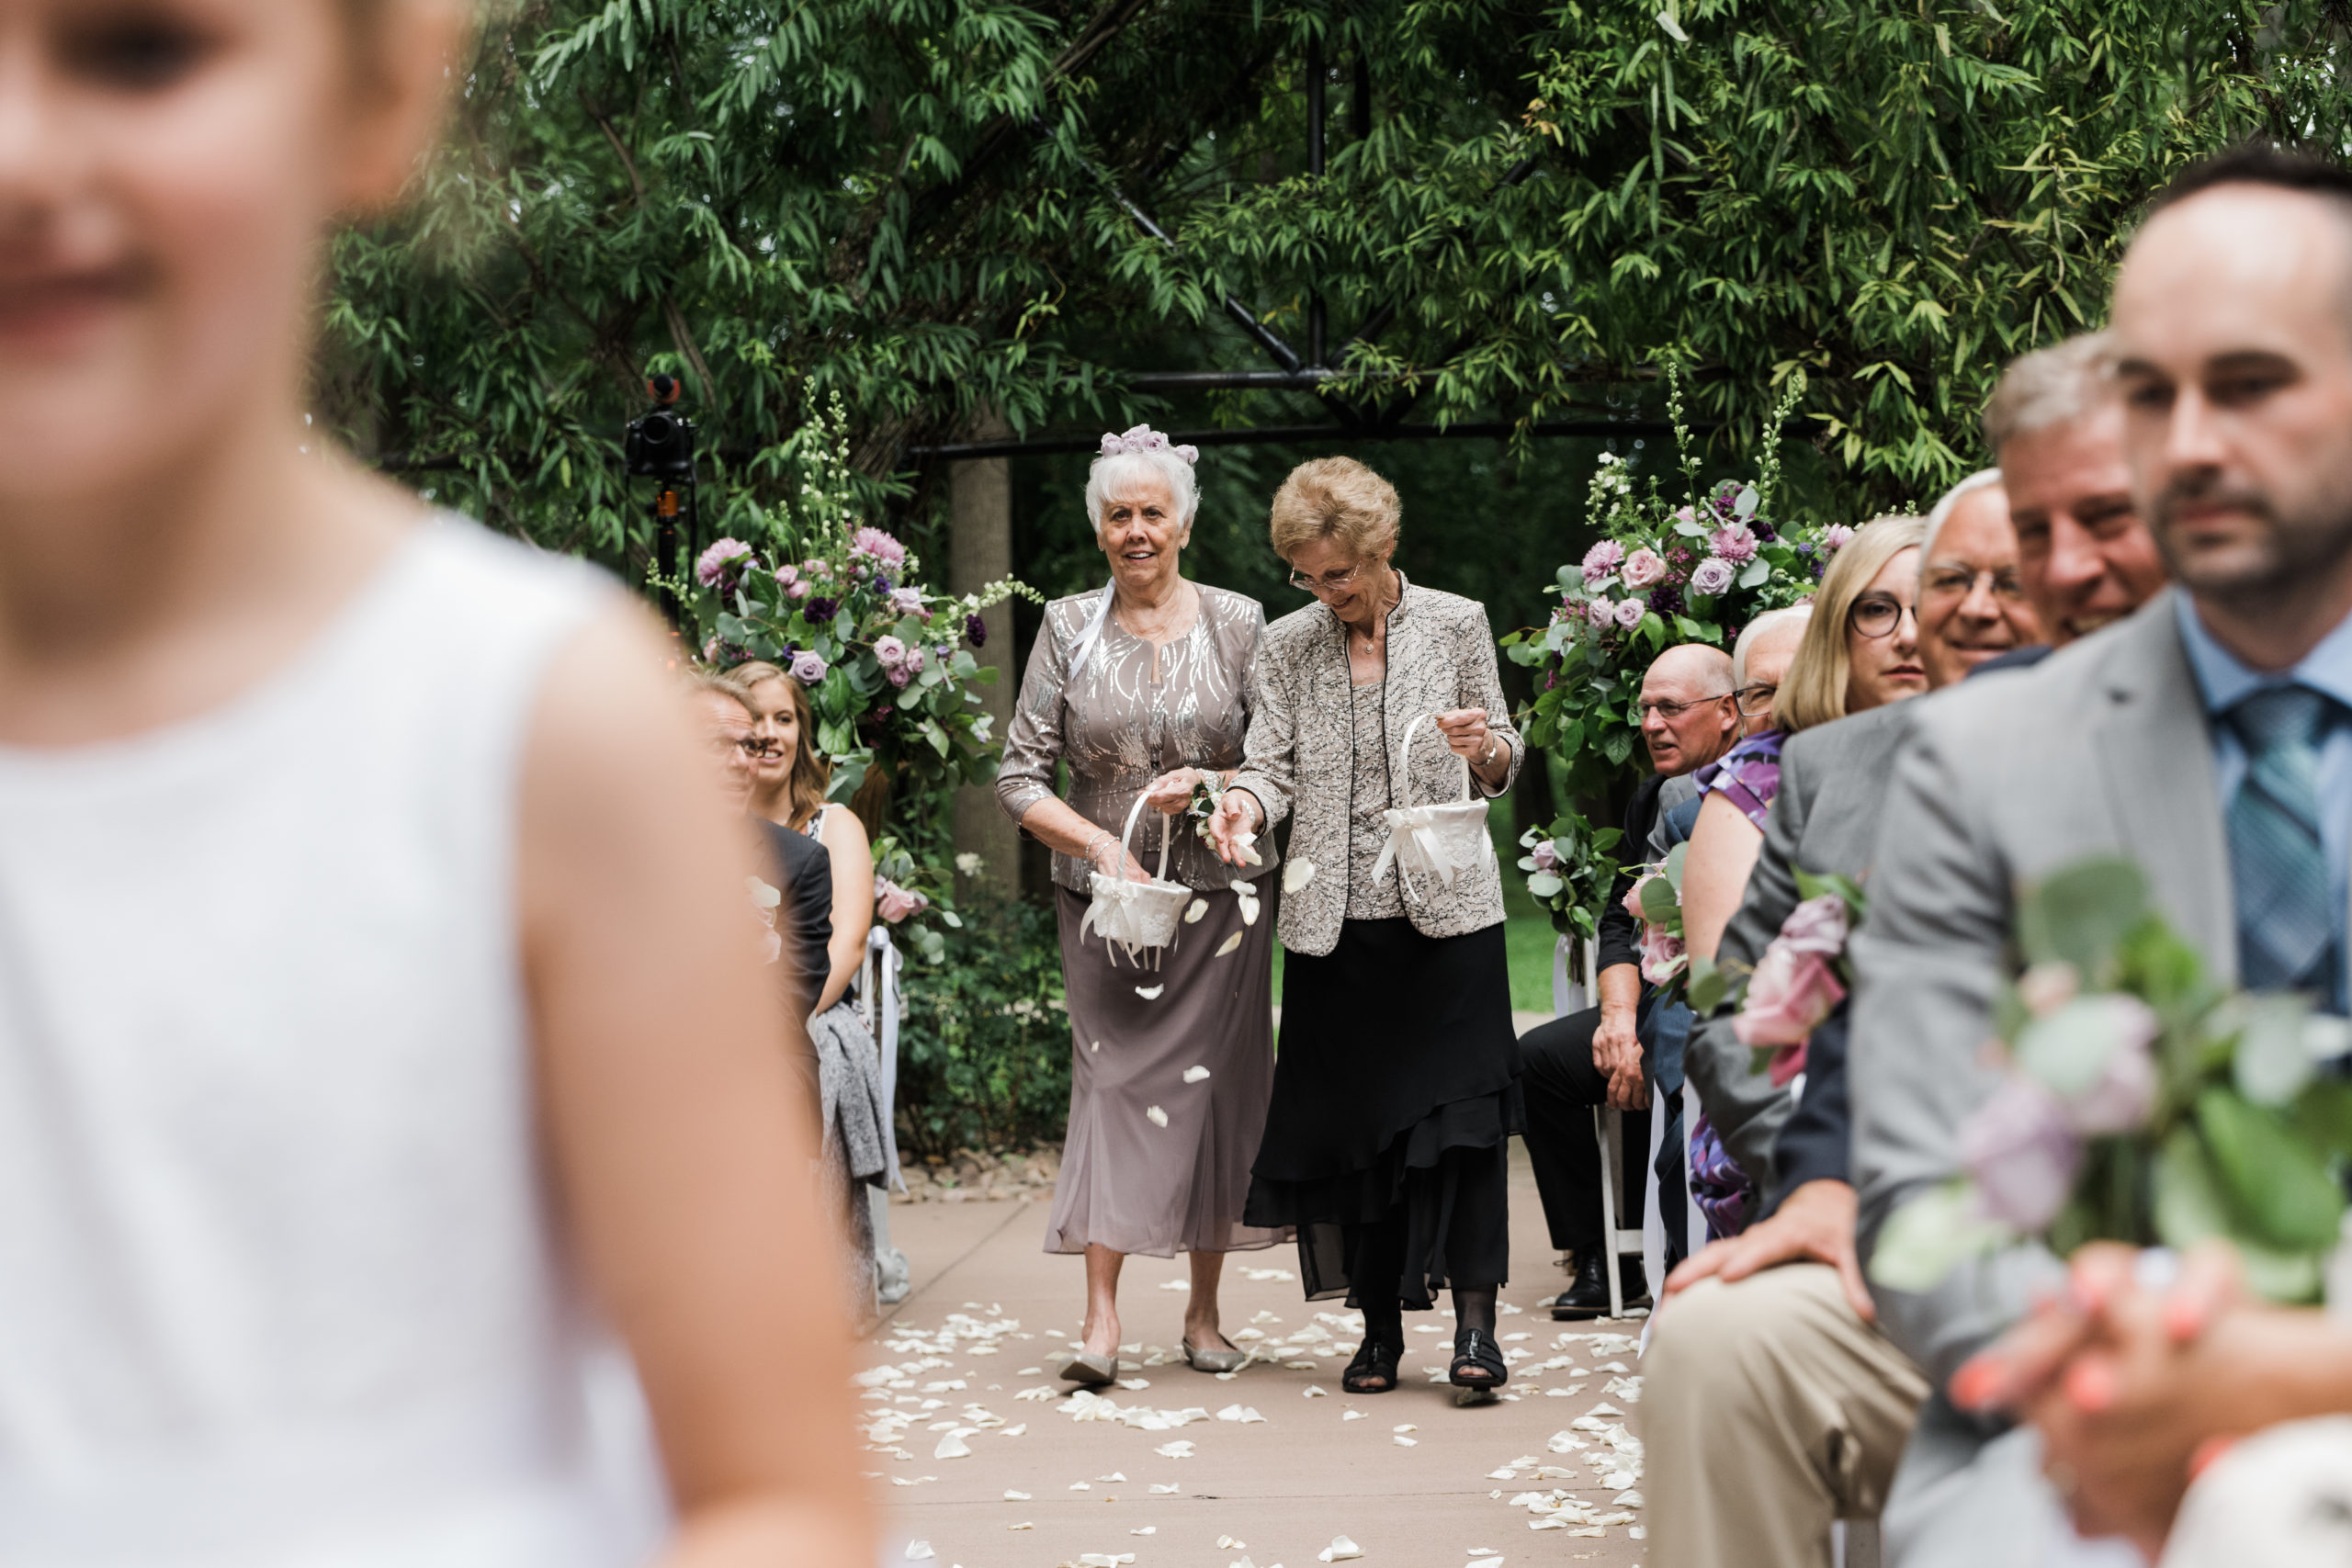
(1734, 544)
(1546, 854)
(1602, 559)
(1644, 566)
(2022, 1153)
(1712, 577)
(807, 668)
(889, 650)
(787, 575)
(1600, 612)
(1629, 612)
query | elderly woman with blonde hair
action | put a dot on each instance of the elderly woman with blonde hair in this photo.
(1395, 1090)
(1144, 689)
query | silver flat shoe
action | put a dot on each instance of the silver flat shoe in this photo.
(1094, 1371)
(1213, 1360)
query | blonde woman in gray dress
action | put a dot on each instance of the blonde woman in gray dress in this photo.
(1141, 687)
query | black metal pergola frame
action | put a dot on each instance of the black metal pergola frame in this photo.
(1312, 371)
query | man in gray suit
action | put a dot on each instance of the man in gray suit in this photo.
(2209, 738)
(1773, 1403)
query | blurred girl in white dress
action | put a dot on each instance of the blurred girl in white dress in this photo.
(381, 1014)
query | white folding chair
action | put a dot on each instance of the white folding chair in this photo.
(1616, 1240)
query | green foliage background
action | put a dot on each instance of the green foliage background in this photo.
(932, 208)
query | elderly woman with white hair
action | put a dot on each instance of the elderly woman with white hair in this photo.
(1144, 688)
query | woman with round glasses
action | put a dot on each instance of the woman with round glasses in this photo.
(1860, 650)
(1395, 1090)
(1144, 687)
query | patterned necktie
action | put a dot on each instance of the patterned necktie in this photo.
(2287, 917)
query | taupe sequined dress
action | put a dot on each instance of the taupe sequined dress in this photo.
(1133, 1181)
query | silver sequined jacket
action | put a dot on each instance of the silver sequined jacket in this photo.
(1300, 757)
(1133, 714)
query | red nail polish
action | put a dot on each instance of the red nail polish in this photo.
(1977, 1384)
(2090, 1386)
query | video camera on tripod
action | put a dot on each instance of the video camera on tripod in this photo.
(659, 445)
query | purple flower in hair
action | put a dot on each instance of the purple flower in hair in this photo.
(1712, 577)
(1143, 438)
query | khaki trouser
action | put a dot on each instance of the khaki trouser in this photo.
(1768, 1410)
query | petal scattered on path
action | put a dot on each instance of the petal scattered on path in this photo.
(1341, 1549)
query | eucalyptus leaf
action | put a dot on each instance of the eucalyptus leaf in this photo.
(1544, 885)
(2275, 1187)
(2079, 914)
(2272, 1063)
(1930, 1235)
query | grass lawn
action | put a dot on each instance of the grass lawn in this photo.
(1527, 934)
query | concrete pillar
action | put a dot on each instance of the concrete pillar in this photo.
(981, 524)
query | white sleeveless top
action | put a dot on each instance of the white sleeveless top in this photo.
(280, 1281)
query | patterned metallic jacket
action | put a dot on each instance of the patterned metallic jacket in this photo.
(1300, 756)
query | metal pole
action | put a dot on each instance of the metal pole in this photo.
(1314, 74)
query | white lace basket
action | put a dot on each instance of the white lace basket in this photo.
(1139, 916)
(1440, 841)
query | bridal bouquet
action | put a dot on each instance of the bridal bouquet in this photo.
(2140, 1101)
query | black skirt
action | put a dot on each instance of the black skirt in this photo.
(1396, 1095)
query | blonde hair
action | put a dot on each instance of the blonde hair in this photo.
(811, 775)
(1814, 691)
(1336, 498)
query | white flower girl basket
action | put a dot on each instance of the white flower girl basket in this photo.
(1138, 916)
(1441, 840)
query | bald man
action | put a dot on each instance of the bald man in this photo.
(1690, 717)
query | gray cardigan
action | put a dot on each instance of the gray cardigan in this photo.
(1300, 753)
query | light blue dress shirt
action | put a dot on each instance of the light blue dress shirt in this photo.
(2327, 669)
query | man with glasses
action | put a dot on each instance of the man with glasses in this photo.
(1973, 606)
(1689, 719)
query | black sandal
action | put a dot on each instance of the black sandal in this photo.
(1477, 1362)
(1373, 1359)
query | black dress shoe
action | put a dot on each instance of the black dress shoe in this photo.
(1588, 1297)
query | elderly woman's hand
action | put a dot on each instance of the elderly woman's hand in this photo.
(1171, 793)
(1466, 731)
(1235, 826)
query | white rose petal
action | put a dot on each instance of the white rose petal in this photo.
(1196, 1075)
(1315, 1392)
(1242, 1413)
(1405, 1443)
(1352, 1415)
(1023, 1525)
(1227, 945)
(1180, 1448)
(1156, 1116)
(1341, 1549)
(1192, 915)
(1165, 1489)
(1150, 993)
(919, 1551)
(1296, 874)
(1011, 1497)
(1228, 1543)
(953, 1446)
(1148, 1529)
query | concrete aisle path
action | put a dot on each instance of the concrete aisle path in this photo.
(1278, 1490)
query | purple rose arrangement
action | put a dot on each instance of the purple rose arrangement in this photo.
(1658, 572)
(2138, 1101)
(842, 605)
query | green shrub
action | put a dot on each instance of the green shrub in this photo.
(984, 1046)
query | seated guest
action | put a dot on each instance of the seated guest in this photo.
(850, 1097)
(2085, 558)
(2190, 738)
(1860, 650)
(1772, 1406)
(1973, 606)
(1690, 717)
